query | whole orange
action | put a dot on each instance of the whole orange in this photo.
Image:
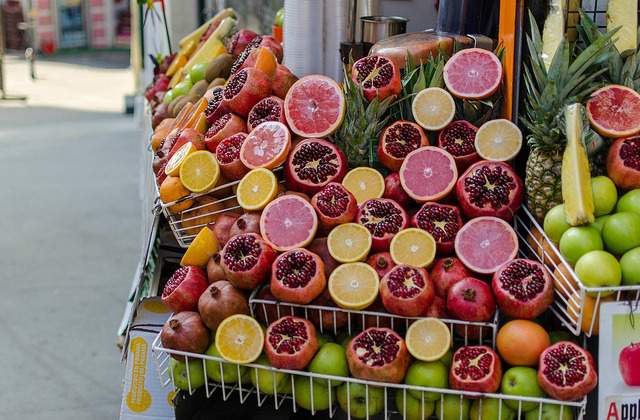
(520, 342)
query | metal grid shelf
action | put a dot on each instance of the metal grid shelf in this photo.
(244, 389)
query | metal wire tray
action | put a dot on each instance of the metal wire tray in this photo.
(572, 300)
(245, 389)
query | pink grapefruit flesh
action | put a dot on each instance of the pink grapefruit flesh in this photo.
(484, 244)
(428, 174)
(267, 146)
(614, 111)
(314, 106)
(288, 222)
(473, 73)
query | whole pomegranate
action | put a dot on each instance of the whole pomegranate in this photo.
(378, 354)
(381, 262)
(245, 89)
(282, 81)
(266, 307)
(398, 140)
(290, 343)
(223, 225)
(523, 288)
(629, 364)
(247, 223)
(406, 290)
(446, 272)
(184, 287)
(214, 269)
(437, 309)
(330, 320)
(475, 368)
(219, 301)
(383, 218)
(186, 332)
(458, 138)
(246, 260)
(335, 205)
(393, 190)
(378, 76)
(312, 164)
(471, 299)
(319, 247)
(442, 221)
(623, 163)
(297, 276)
(489, 188)
(566, 371)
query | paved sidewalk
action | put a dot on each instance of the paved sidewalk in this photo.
(69, 236)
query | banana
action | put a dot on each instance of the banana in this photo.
(195, 35)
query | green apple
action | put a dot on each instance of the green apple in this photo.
(452, 407)
(491, 410)
(447, 359)
(630, 202)
(168, 97)
(599, 269)
(630, 266)
(180, 377)
(549, 412)
(266, 380)
(279, 19)
(521, 381)
(598, 224)
(229, 370)
(555, 223)
(353, 398)
(330, 359)
(428, 374)
(197, 72)
(303, 389)
(577, 241)
(182, 88)
(413, 409)
(323, 339)
(605, 195)
(621, 232)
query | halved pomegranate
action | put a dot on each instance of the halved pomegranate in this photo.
(458, 138)
(245, 89)
(384, 218)
(378, 354)
(184, 287)
(393, 190)
(246, 52)
(270, 108)
(297, 276)
(228, 155)
(378, 76)
(523, 288)
(623, 163)
(186, 332)
(446, 272)
(239, 41)
(397, 141)
(566, 371)
(471, 299)
(271, 43)
(489, 188)
(247, 259)
(312, 164)
(475, 368)
(381, 262)
(334, 205)
(225, 126)
(215, 108)
(290, 343)
(406, 290)
(442, 221)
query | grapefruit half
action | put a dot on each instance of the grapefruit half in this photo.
(473, 73)
(614, 111)
(484, 244)
(267, 146)
(288, 222)
(428, 174)
(314, 106)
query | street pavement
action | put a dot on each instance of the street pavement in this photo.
(69, 235)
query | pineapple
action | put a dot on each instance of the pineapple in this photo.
(571, 77)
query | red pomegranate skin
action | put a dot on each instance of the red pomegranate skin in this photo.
(475, 368)
(331, 320)
(471, 299)
(184, 287)
(247, 223)
(385, 84)
(437, 309)
(393, 190)
(246, 260)
(270, 108)
(629, 364)
(223, 225)
(245, 89)
(297, 276)
(446, 272)
(186, 332)
(220, 301)
(282, 81)
(378, 354)
(214, 269)
(555, 374)
(406, 291)
(319, 246)
(225, 126)
(335, 205)
(381, 262)
(291, 343)
(238, 42)
(398, 140)
(623, 163)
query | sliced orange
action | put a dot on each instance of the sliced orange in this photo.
(413, 246)
(266, 61)
(257, 189)
(178, 158)
(428, 339)
(364, 183)
(498, 140)
(201, 249)
(349, 242)
(239, 339)
(433, 108)
(354, 285)
(267, 146)
(172, 190)
(200, 171)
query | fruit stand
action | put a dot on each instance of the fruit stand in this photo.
(388, 245)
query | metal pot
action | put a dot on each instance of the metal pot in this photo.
(377, 28)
